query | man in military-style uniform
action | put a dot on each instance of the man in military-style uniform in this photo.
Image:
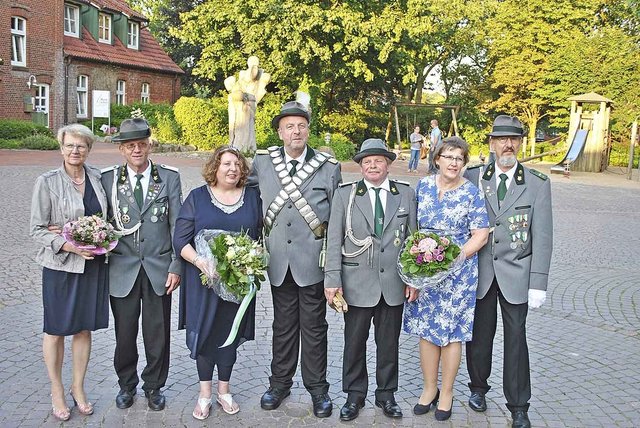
(369, 222)
(297, 184)
(144, 201)
(513, 267)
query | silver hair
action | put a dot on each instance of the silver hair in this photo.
(77, 130)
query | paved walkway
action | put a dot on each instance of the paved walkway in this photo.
(584, 342)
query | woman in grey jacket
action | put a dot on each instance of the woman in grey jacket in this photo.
(75, 291)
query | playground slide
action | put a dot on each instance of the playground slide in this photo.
(577, 145)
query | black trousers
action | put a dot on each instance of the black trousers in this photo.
(516, 377)
(299, 317)
(387, 321)
(156, 322)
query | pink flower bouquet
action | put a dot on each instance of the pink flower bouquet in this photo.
(91, 233)
(428, 259)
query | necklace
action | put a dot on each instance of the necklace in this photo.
(81, 182)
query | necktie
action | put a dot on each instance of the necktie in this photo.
(378, 214)
(137, 191)
(292, 171)
(502, 188)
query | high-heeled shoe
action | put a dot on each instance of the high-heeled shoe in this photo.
(443, 415)
(84, 408)
(421, 409)
(60, 414)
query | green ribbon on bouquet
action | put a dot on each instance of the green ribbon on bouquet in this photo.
(240, 314)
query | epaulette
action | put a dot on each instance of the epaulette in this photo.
(170, 168)
(406, 183)
(109, 168)
(333, 160)
(262, 152)
(538, 174)
(348, 183)
(478, 165)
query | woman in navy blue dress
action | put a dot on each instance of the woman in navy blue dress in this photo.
(223, 203)
(75, 293)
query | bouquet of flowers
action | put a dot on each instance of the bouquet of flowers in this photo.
(428, 259)
(236, 262)
(91, 233)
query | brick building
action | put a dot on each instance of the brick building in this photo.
(54, 53)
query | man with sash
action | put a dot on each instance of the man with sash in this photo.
(144, 201)
(513, 267)
(297, 184)
(369, 222)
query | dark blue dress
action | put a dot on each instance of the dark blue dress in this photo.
(77, 301)
(205, 316)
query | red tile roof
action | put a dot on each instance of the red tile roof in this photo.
(150, 56)
(119, 6)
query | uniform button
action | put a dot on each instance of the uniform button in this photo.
(382, 250)
(289, 224)
(142, 240)
(381, 270)
(142, 258)
(497, 240)
(290, 206)
(141, 220)
(497, 223)
(495, 257)
(289, 241)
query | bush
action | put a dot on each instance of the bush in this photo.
(358, 123)
(11, 129)
(167, 129)
(40, 142)
(10, 144)
(342, 147)
(204, 123)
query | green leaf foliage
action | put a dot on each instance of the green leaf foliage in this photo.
(204, 123)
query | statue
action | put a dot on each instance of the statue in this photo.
(244, 95)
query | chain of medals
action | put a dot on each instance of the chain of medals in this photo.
(290, 191)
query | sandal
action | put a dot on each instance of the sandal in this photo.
(60, 414)
(229, 406)
(84, 408)
(205, 406)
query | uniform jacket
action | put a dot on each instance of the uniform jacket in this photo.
(151, 245)
(291, 243)
(363, 283)
(518, 252)
(55, 202)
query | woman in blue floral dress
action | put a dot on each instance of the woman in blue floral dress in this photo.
(443, 316)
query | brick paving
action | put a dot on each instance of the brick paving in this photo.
(584, 342)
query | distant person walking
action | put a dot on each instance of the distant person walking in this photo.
(417, 140)
(435, 142)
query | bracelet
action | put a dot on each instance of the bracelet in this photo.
(195, 259)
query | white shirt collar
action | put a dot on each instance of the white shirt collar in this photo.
(300, 158)
(510, 173)
(384, 185)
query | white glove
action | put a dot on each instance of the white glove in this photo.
(536, 298)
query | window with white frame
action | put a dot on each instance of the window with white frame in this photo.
(104, 28)
(133, 35)
(18, 41)
(121, 92)
(144, 94)
(71, 20)
(82, 89)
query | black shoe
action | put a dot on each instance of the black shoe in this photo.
(124, 399)
(477, 402)
(351, 410)
(443, 415)
(322, 405)
(272, 399)
(421, 409)
(155, 399)
(520, 419)
(390, 408)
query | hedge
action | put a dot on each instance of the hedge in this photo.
(204, 122)
(13, 129)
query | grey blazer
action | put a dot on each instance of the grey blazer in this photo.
(56, 202)
(291, 243)
(518, 252)
(363, 284)
(151, 246)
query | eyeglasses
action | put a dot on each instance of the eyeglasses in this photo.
(300, 127)
(503, 140)
(132, 146)
(453, 159)
(71, 147)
